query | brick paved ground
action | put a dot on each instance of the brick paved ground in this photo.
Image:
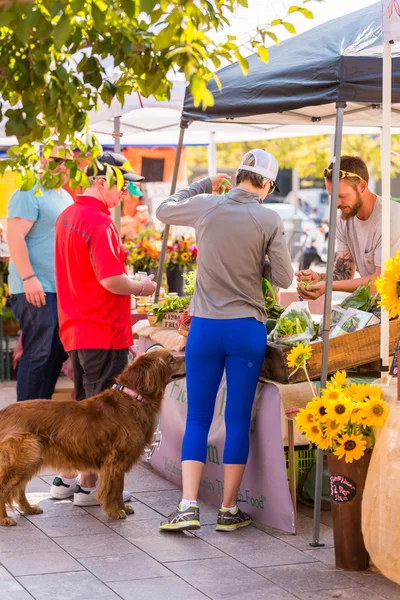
(70, 553)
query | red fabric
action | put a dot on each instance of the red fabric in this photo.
(88, 249)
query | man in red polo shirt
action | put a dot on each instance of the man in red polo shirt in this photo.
(94, 299)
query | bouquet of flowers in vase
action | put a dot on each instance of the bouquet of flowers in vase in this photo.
(143, 252)
(344, 418)
(182, 254)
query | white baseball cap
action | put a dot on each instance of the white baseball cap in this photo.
(265, 164)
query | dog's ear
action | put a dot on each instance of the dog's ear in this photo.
(150, 374)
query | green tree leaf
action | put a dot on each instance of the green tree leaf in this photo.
(62, 31)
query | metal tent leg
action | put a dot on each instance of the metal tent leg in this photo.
(117, 148)
(340, 106)
(184, 125)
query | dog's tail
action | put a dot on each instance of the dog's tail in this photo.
(20, 460)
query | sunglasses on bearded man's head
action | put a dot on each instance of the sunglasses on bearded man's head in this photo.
(328, 173)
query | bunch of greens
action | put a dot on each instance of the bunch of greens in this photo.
(292, 324)
(361, 299)
(272, 308)
(189, 279)
(175, 305)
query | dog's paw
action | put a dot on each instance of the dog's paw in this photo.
(119, 514)
(7, 522)
(34, 509)
(129, 509)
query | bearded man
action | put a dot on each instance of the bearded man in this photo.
(358, 232)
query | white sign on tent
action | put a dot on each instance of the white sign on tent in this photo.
(391, 20)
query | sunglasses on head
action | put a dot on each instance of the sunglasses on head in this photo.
(342, 174)
(58, 160)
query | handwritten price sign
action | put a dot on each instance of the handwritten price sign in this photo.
(343, 489)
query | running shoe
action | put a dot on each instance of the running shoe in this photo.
(182, 520)
(61, 490)
(229, 522)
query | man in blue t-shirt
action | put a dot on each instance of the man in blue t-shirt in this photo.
(32, 285)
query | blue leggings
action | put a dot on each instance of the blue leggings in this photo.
(238, 346)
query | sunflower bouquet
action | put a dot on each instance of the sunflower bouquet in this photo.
(142, 254)
(344, 418)
(181, 254)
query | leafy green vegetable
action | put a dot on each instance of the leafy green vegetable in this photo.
(361, 299)
(272, 308)
(171, 305)
(292, 324)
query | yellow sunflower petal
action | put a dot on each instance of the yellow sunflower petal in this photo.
(352, 447)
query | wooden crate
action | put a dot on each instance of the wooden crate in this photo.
(350, 350)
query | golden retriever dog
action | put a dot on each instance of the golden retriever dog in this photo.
(107, 434)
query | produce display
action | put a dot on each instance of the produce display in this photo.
(361, 299)
(295, 325)
(171, 305)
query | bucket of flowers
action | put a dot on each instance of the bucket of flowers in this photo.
(142, 254)
(181, 258)
(343, 421)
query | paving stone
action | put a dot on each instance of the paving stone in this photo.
(223, 578)
(136, 565)
(37, 485)
(52, 508)
(25, 536)
(242, 543)
(146, 480)
(307, 577)
(164, 546)
(10, 589)
(347, 594)
(376, 583)
(324, 555)
(67, 586)
(56, 527)
(37, 563)
(167, 588)
(98, 544)
(142, 513)
(302, 540)
(166, 502)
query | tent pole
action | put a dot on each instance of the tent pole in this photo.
(340, 106)
(386, 193)
(184, 125)
(212, 155)
(117, 148)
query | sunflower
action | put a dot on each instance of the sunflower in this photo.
(338, 381)
(333, 429)
(298, 356)
(140, 254)
(320, 407)
(363, 391)
(184, 256)
(331, 395)
(314, 434)
(358, 413)
(375, 412)
(304, 418)
(388, 285)
(324, 443)
(352, 447)
(339, 410)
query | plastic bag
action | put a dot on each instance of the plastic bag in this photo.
(381, 499)
(295, 325)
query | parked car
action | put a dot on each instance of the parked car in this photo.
(286, 212)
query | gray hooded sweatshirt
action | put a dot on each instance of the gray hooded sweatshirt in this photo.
(234, 235)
